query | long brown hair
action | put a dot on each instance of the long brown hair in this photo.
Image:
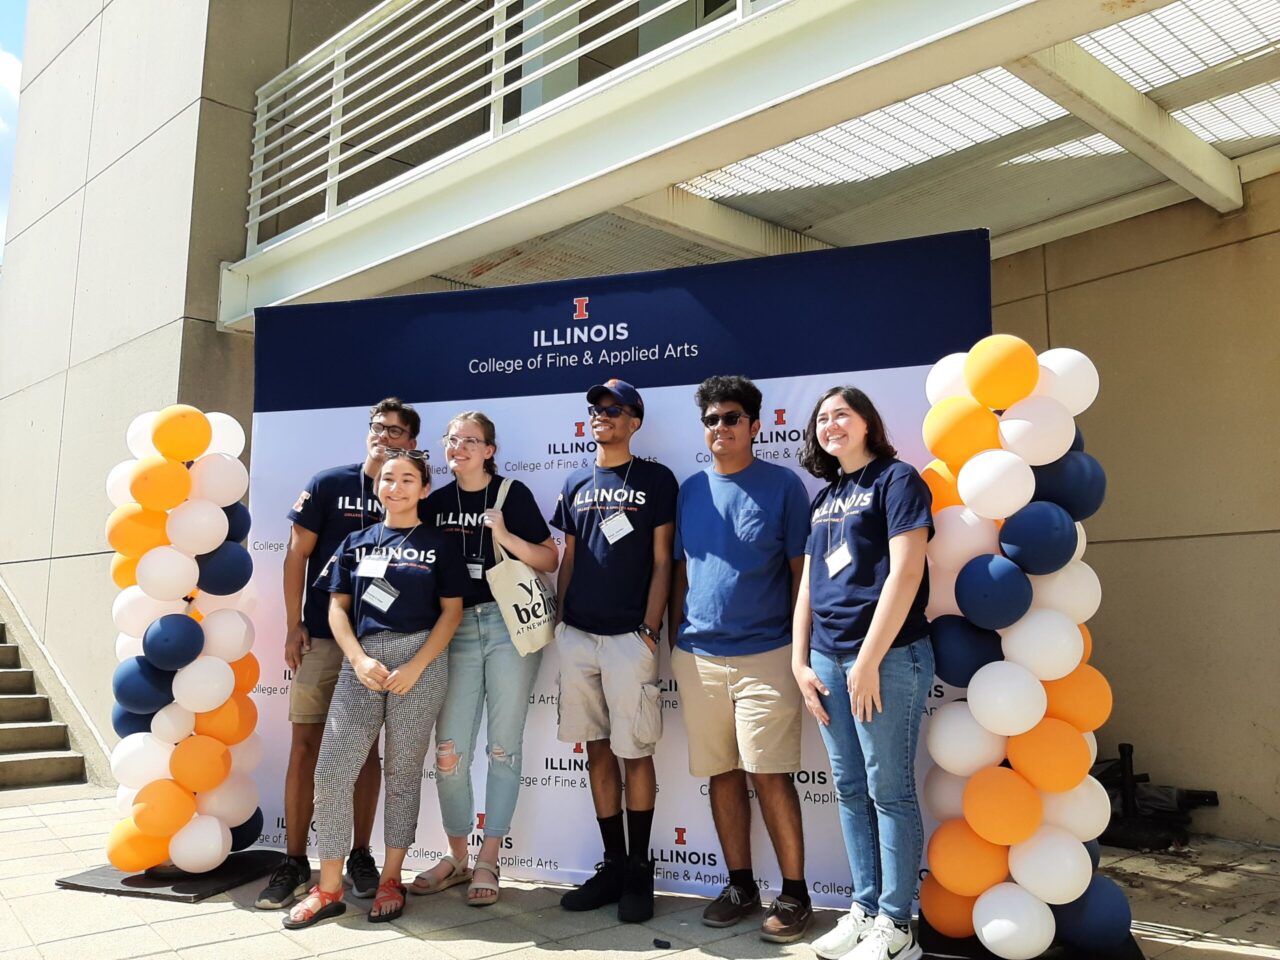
(487, 430)
(822, 464)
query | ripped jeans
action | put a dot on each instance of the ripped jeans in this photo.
(486, 674)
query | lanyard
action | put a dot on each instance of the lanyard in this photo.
(484, 498)
(625, 477)
(845, 516)
(386, 529)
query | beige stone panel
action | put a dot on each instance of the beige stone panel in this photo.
(53, 133)
(79, 634)
(1161, 235)
(217, 372)
(51, 26)
(247, 45)
(30, 421)
(137, 229)
(315, 21)
(1186, 636)
(149, 71)
(223, 145)
(1027, 319)
(103, 395)
(28, 584)
(1017, 276)
(1188, 352)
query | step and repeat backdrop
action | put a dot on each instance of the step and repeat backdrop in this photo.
(875, 316)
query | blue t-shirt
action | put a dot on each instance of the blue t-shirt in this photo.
(460, 514)
(866, 510)
(610, 586)
(736, 534)
(424, 565)
(333, 504)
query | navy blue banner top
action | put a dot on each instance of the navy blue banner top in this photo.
(898, 304)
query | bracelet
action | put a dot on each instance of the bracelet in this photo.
(645, 630)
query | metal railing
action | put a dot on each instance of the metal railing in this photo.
(417, 82)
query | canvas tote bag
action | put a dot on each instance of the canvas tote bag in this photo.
(526, 597)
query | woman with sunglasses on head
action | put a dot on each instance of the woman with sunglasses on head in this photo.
(396, 591)
(486, 671)
(862, 657)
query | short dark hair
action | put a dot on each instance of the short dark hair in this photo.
(733, 389)
(404, 410)
(822, 464)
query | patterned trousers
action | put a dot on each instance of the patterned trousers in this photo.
(356, 715)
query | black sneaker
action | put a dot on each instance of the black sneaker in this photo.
(605, 887)
(636, 903)
(290, 880)
(362, 873)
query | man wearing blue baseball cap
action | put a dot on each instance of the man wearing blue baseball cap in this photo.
(618, 518)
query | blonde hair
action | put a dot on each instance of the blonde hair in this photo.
(487, 429)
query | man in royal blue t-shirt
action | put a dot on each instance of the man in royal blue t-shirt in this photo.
(334, 503)
(741, 527)
(617, 517)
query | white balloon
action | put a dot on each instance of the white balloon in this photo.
(118, 482)
(1006, 698)
(204, 684)
(1051, 865)
(1074, 590)
(231, 801)
(228, 435)
(124, 798)
(996, 484)
(246, 755)
(959, 744)
(1092, 741)
(127, 646)
(245, 601)
(173, 723)
(1047, 642)
(138, 436)
(942, 592)
(1012, 923)
(1083, 811)
(133, 611)
(165, 573)
(946, 379)
(140, 758)
(228, 635)
(196, 527)
(1072, 379)
(1038, 429)
(959, 536)
(1081, 541)
(201, 845)
(219, 477)
(943, 794)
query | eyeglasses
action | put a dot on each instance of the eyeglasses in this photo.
(397, 452)
(730, 419)
(611, 411)
(378, 429)
(452, 442)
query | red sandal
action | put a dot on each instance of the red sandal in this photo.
(302, 916)
(389, 892)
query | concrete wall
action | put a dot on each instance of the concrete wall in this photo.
(1179, 310)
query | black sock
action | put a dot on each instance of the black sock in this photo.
(743, 879)
(795, 889)
(615, 840)
(639, 826)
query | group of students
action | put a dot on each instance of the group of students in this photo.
(774, 604)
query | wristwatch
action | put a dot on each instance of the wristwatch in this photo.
(647, 631)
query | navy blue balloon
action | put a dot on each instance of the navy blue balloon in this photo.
(238, 521)
(1075, 482)
(1040, 538)
(172, 641)
(124, 723)
(1099, 920)
(247, 833)
(1078, 442)
(960, 649)
(1095, 852)
(225, 569)
(141, 688)
(992, 592)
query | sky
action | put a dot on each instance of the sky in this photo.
(13, 16)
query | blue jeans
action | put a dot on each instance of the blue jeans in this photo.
(874, 769)
(485, 671)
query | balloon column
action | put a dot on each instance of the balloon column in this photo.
(1010, 596)
(183, 709)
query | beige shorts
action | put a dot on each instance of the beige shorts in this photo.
(609, 691)
(746, 712)
(314, 681)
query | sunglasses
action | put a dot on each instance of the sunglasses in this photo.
(730, 419)
(378, 429)
(611, 411)
(388, 453)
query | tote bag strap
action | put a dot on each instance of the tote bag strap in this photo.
(498, 553)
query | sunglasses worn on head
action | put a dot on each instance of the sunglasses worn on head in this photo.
(730, 419)
(389, 452)
(611, 411)
(378, 429)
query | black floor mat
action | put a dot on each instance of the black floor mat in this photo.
(238, 868)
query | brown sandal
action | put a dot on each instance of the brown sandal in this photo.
(389, 892)
(302, 916)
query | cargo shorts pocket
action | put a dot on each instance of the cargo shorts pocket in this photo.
(647, 728)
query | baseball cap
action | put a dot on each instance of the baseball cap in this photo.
(624, 391)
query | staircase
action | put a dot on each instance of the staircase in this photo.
(34, 748)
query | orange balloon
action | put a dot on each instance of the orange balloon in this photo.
(1088, 643)
(162, 808)
(963, 862)
(124, 570)
(958, 427)
(160, 484)
(181, 432)
(130, 850)
(942, 484)
(200, 763)
(133, 530)
(247, 671)
(1082, 698)
(1052, 755)
(231, 722)
(1000, 370)
(1001, 806)
(949, 914)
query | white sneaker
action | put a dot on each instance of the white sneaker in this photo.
(851, 928)
(886, 942)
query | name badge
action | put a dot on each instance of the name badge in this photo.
(476, 569)
(615, 526)
(838, 559)
(373, 566)
(380, 595)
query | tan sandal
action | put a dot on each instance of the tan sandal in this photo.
(424, 883)
(491, 891)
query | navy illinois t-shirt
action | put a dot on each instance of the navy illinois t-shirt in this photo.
(423, 564)
(610, 586)
(864, 511)
(333, 504)
(460, 515)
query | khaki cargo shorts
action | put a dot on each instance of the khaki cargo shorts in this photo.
(314, 681)
(609, 691)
